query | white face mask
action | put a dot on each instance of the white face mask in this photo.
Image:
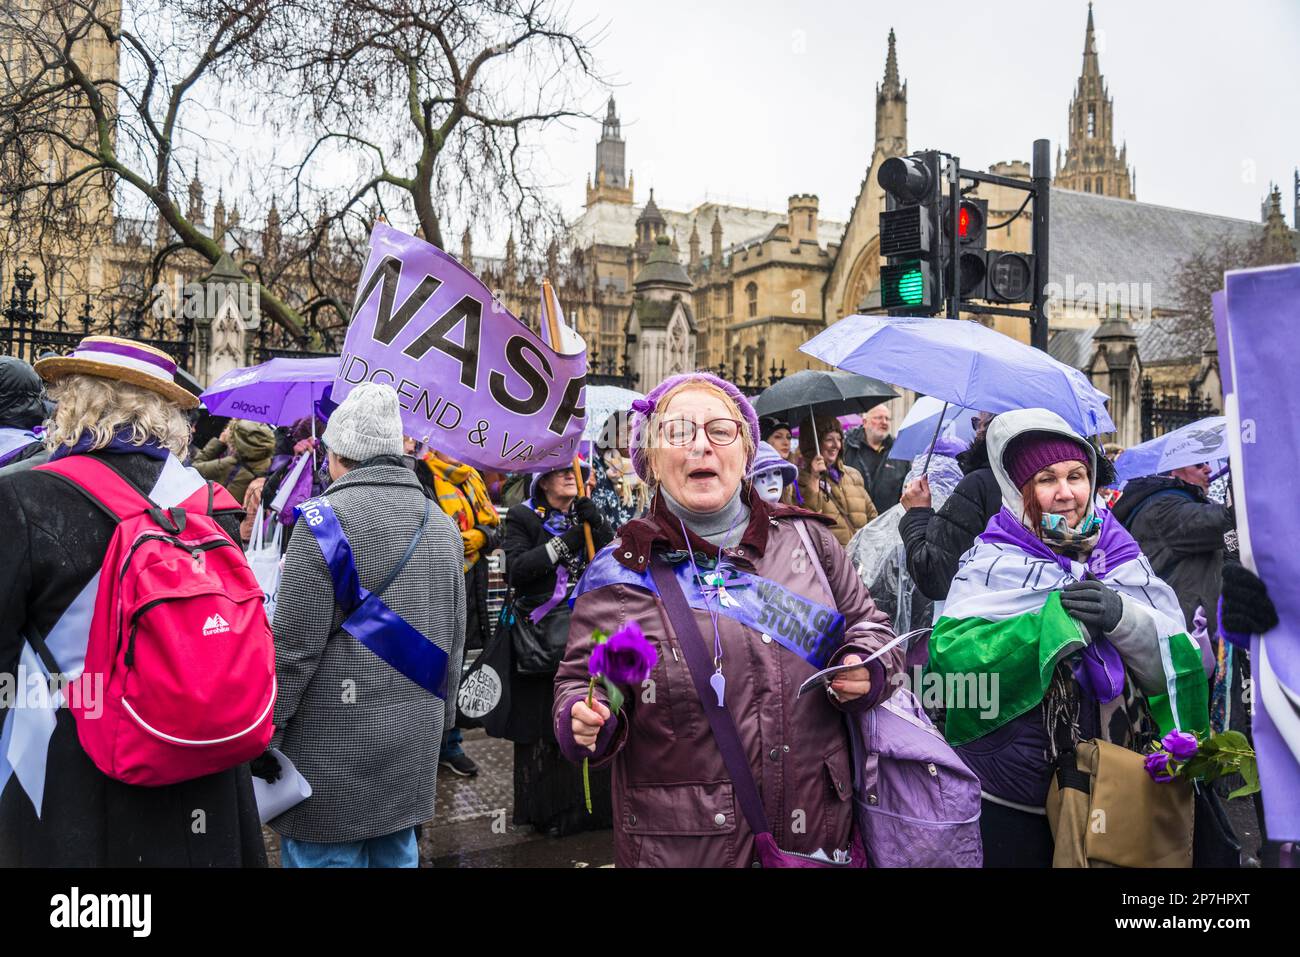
(769, 485)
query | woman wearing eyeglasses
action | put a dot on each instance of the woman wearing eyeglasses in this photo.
(766, 599)
(826, 484)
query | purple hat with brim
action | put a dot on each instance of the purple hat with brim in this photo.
(768, 459)
(111, 357)
(642, 409)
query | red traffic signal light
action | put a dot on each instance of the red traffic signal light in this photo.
(971, 220)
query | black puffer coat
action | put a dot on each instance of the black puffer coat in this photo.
(936, 541)
(1181, 531)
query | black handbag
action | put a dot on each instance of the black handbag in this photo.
(1214, 842)
(538, 646)
(483, 699)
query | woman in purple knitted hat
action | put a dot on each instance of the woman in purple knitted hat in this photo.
(774, 599)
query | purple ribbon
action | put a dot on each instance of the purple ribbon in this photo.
(809, 629)
(1100, 671)
(88, 351)
(369, 620)
(557, 596)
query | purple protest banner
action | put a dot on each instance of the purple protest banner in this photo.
(1264, 433)
(473, 381)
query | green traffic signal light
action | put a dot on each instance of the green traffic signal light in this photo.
(911, 287)
(907, 285)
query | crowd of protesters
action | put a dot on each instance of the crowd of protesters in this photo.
(688, 508)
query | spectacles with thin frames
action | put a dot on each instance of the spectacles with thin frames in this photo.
(719, 432)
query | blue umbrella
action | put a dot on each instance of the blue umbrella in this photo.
(1203, 441)
(963, 363)
(927, 419)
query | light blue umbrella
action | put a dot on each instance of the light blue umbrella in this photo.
(921, 426)
(964, 363)
(1203, 441)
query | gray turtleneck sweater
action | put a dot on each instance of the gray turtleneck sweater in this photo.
(723, 528)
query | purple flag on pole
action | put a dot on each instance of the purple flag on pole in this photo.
(473, 381)
(1264, 432)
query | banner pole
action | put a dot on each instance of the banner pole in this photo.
(553, 327)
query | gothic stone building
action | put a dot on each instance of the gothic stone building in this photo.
(768, 281)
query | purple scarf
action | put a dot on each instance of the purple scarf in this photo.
(1100, 671)
(120, 444)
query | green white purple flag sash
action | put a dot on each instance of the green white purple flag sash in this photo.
(1004, 616)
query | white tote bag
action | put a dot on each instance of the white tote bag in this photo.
(264, 559)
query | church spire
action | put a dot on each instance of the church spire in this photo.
(891, 66)
(1092, 163)
(610, 183)
(891, 107)
(1091, 66)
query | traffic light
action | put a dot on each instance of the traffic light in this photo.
(911, 278)
(972, 219)
(1010, 276)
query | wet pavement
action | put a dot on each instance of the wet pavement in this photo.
(472, 822)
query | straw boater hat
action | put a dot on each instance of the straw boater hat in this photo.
(112, 358)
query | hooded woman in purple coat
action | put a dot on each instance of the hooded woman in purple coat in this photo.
(675, 805)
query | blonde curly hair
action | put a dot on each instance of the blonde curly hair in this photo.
(101, 408)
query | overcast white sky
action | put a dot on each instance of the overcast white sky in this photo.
(753, 101)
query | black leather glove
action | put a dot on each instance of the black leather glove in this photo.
(265, 766)
(1094, 605)
(575, 540)
(585, 510)
(1247, 609)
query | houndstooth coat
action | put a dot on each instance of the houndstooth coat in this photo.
(363, 735)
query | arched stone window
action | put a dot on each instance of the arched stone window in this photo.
(751, 297)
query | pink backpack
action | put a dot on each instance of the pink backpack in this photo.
(179, 648)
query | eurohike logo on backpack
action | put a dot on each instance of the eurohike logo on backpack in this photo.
(179, 638)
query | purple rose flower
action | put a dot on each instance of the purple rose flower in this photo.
(625, 658)
(1157, 765)
(1180, 744)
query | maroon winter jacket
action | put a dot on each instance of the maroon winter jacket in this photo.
(674, 804)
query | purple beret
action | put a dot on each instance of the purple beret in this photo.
(642, 409)
(1031, 452)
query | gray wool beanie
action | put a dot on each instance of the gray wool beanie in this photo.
(367, 423)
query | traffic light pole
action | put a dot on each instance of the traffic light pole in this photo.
(1039, 188)
(952, 232)
(924, 253)
(1042, 199)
